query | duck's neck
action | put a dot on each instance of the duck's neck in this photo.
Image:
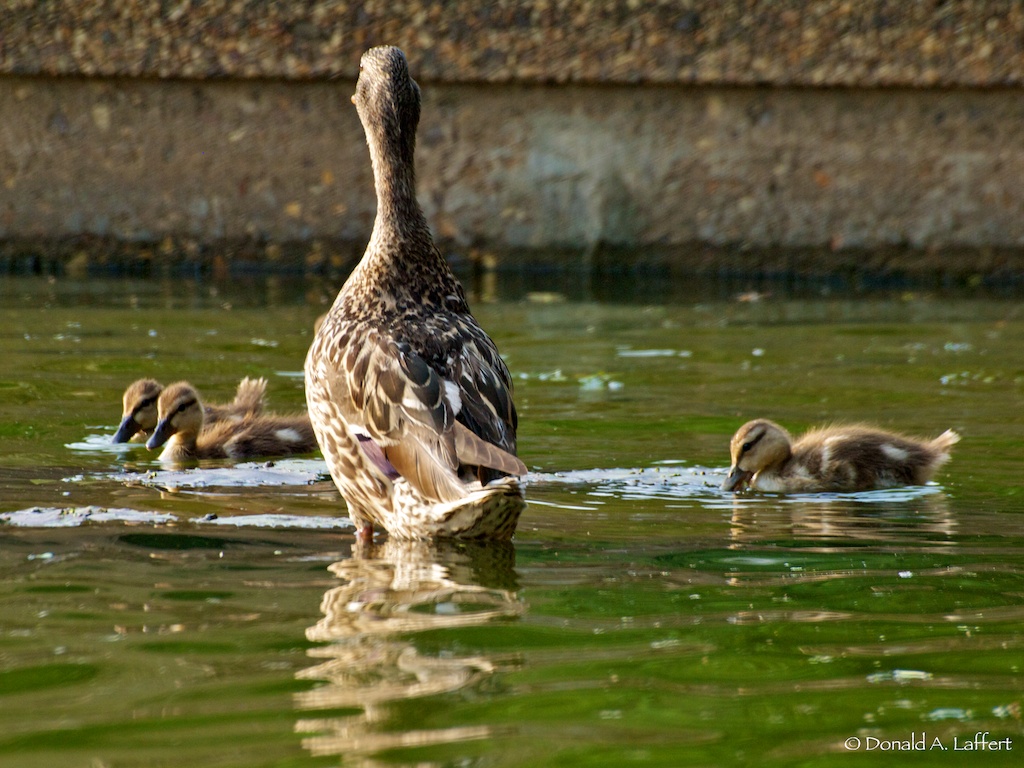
(783, 463)
(179, 448)
(399, 216)
(188, 439)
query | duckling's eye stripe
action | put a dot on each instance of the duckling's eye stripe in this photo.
(144, 404)
(182, 406)
(751, 443)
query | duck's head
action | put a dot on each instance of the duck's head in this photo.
(139, 411)
(181, 413)
(756, 446)
(388, 101)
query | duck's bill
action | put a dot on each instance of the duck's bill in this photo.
(160, 435)
(127, 430)
(737, 479)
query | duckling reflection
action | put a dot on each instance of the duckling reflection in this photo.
(919, 516)
(390, 591)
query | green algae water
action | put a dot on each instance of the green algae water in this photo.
(223, 616)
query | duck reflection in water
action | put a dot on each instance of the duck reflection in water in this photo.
(368, 660)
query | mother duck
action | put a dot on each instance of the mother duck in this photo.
(409, 399)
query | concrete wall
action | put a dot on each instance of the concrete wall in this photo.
(814, 124)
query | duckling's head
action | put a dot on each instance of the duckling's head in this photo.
(756, 446)
(139, 411)
(388, 102)
(181, 413)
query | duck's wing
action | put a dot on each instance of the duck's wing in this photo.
(485, 430)
(485, 391)
(391, 396)
(398, 408)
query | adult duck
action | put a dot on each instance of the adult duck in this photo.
(836, 458)
(139, 413)
(409, 398)
(182, 428)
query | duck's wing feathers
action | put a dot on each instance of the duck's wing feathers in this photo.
(485, 430)
(396, 405)
(472, 450)
(392, 396)
(485, 391)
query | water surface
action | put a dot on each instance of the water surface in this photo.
(221, 616)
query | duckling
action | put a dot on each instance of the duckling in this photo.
(181, 427)
(140, 413)
(837, 458)
(409, 398)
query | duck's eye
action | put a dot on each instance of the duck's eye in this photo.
(747, 446)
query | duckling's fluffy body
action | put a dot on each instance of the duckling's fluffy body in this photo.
(181, 430)
(847, 458)
(410, 400)
(140, 413)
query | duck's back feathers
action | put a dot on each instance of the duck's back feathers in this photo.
(269, 436)
(421, 416)
(859, 457)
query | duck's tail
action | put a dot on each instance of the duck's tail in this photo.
(489, 513)
(944, 443)
(250, 394)
(486, 512)
(938, 453)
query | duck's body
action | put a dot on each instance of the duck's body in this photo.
(409, 398)
(837, 458)
(140, 413)
(181, 430)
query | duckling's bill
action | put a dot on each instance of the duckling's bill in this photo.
(163, 432)
(128, 428)
(737, 479)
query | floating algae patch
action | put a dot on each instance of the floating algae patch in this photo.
(102, 443)
(281, 521)
(70, 517)
(660, 482)
(289, 472)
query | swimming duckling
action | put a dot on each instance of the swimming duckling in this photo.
(837, 458)
(181, 427)
(140, 413)
(411, 402)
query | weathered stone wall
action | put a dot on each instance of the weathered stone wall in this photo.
(557, 124)
(855, 43)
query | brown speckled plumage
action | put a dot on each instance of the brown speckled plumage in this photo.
(411, 403)
(140, 414)
(182, 428)
(839, 458)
